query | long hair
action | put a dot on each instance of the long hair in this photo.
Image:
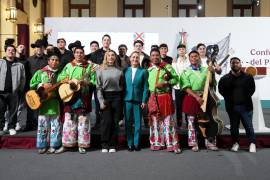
(105, 60)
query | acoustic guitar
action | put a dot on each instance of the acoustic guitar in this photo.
(35, 98)
(67, 90)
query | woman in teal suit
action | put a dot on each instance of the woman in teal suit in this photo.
(136, 90)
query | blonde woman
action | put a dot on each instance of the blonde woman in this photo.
(109, 91)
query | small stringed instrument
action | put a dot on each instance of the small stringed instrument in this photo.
(67, 90)
(216, 124)
(208, 78)
(35, 98)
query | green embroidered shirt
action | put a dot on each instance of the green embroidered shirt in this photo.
(51, 106)
(152, 78)
(194, 79)
(73, 71)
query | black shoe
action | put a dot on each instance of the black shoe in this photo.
(137, 148)
(130, 148)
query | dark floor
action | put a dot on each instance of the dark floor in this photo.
(27, 164)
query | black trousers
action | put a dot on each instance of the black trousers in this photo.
(10, 102)
(240, 113)
(110, 118)
(97, 108)
(179, 97)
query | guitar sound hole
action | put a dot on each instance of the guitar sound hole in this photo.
(73, 86)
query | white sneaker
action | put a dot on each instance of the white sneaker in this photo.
(82, 150)
(112, 150)
(235, 147)
(12, 132)
(252, 148)
(5, 127)
(104, 150)
(18, 127)
(121, 123)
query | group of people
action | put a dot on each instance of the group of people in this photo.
(132, 88)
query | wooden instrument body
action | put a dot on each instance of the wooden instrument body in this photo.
(211, 102)
(32, 99)
(35, 98)
(67, 90)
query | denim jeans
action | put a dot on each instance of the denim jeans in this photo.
(237, 113)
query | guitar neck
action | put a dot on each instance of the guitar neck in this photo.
(224, 60)
(55, 85)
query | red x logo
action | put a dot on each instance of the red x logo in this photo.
(139, 36)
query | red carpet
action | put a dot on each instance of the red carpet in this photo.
(21, 141)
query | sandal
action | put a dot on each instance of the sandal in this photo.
(51, 150)
(178, 151)
(195, 148)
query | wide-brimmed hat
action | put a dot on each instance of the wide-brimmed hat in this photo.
(75, 44)
(38, 43)
(54, 52)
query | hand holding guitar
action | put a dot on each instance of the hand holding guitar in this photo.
(199, 99)
(47, 85)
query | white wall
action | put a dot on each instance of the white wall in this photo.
(246, 34)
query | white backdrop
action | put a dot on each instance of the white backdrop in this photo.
(249, 36)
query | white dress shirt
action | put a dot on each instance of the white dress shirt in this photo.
(133, 73)
(179, 66)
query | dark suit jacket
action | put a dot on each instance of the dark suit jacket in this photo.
(97, 56)
(146, 61)
(138, 89)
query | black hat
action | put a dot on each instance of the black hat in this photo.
(38, 43)
(75, 44)
(54, 52)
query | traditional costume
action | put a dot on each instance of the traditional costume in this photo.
(161, 109)
(48, 119)
(76, 128)
(194, 78)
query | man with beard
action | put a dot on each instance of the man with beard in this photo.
(237, 88)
